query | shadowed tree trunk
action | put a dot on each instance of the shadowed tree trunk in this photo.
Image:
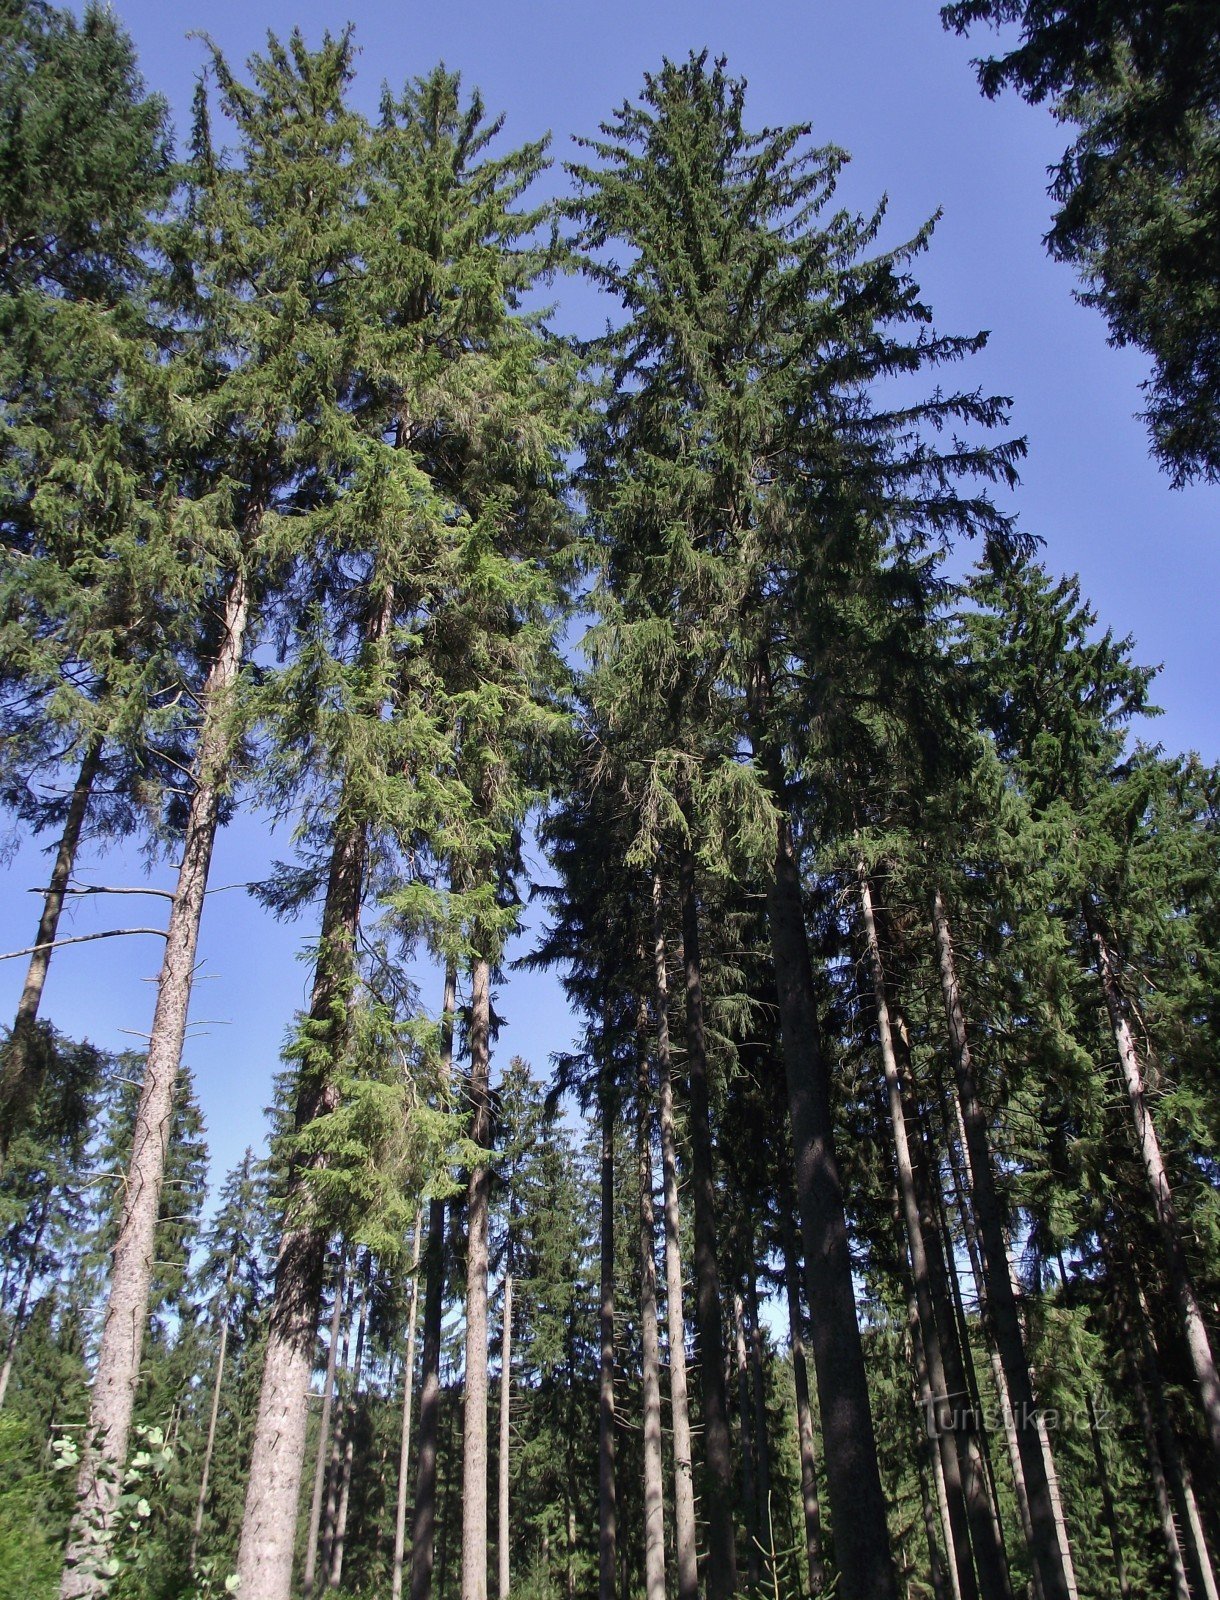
(423, 1523)
(762, 1444)
(404, 1446)
(1181, 1280)
(804, 1411)
(503, 1529)
(339, 1537)
(19, 1076)
(685, 1538)
(853, 1476)
(23, 1301)
(118, 1364)
(607, 1509)
(749, 1493)
(1000, 1302)
(721, 1574)
(654, 1490)
(474, 1425)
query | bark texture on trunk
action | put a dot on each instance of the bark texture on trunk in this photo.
(685, 1536)
(804, 1411)
(20, 1077)
(404, 1445)
(721, 1573)
(503, 1528)
(118, 1366)
(857, 1504)
(654, 1489)
(607, 1506)
(474, 1430)
(423, 1523)
(1000, 1305)
(1181, 1280)
(338, 1539)
(268, 1531)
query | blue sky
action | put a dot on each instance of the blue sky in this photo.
(881, 79)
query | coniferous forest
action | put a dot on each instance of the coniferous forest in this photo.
(860, 1236)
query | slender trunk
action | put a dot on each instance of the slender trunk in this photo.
(23, 1303)
(339, 1538)
(762, 1446)
(20, 1077)
(853, 1476)
(945, 1419)
(748, 1492)
(210, 1442)
(118, 1365)
(607, 1509)
(404, 1448)
(685, 1536)
(503, 1528)
(1107, 1499)
(1165, 1211)
(1155, 1464)
(322, 1455)
(721, 1574)
(334, 1465)
(1000, 1302)
(804, 1411)
(654, 1492)
(474, 1430)
(423, 1523)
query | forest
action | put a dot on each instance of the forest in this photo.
(866, 1241)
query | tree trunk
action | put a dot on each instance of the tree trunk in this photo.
(607, 1509)
(339, 1536)
(853, 1476)
(404, 1448)
(945, 1419)
(269, 1524)
(804, 1412)
(213, 1414)
(749, 1494)
(1181, 1280)
(118, 1365)
(1109, 1510)
(762, 1445)
(685, 1536)
(1156, 1466)
(721, 1574)
(999, 1301)
(474, 1428)
(20, 1076)
(503, 1528)
(322, 1455)
(423, 1523)
(654, 1490)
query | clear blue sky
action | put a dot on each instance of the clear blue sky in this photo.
(878, 77)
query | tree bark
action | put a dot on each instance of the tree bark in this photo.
(685, 1536)
(118, 1365)
(654, 1491)
(404, 1448)
(322, 1454)
(1181, 1280)
(214, 1412)
(607, 1508)
(853, 1476)
(20, 1077)
(474, 1429)
(1000, 1302)
(269, 1524)
(804, 1412)
(423, 1523)
(762, 1445)
(721, 1573)
(503, 1528)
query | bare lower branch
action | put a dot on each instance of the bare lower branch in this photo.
(80, 938)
